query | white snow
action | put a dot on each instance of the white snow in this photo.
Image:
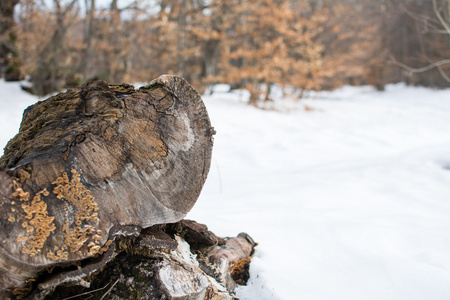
(13, 100)
(348, 201)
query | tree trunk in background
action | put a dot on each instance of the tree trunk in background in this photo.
(49, 76)
(88, 37)
(9, 60)
(115, 63)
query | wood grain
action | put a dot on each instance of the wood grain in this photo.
(96, 158)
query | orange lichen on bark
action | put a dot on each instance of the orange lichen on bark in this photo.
(83, 233)
(239, 270)
(38, 224)
(23, 196)
(36, 221)
(22, 175)
(58, 254)
(77, 195)
(11, 218)
(77, 237)
(105, 247)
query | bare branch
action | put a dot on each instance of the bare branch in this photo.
(437, 65)
(446, 77)
(430, 24)
(110, 289)
(86, 293)
(439, 16)
(423, 69)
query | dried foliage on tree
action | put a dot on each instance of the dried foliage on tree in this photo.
(267, 42)
(253, 44)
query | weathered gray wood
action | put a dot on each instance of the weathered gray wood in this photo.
(95, 163)
(173, 261)
(230, 262)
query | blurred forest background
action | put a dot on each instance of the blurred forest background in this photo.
(300, 44)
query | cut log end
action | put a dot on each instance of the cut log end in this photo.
(95, 158)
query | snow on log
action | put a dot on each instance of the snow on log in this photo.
(94, 163)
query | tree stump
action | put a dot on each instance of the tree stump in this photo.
(92, 164)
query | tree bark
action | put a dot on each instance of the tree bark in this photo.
(9, 61)
(95, 163)
(183, 260)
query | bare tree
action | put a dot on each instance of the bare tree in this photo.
(9, 60)
(306, 44)
(48, 76)
(88, 39)
(435, 22)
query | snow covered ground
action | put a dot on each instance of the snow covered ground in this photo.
(349, 200)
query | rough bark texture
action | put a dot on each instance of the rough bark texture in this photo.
(172, 261)
(93, 164)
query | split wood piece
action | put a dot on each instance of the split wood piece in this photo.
(162, 263)
(226, 259)
(94, 163)
(230, 262)
(197, 235)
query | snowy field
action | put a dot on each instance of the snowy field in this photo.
(347, 200)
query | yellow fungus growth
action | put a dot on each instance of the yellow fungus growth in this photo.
(94, 250)
(76, 238)
(11, 218)
(77, 195)
(23, 196)
(105, 247)
(81, 232)
(37, 223)
(21, 238)
(58, 254)
(23, 175)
